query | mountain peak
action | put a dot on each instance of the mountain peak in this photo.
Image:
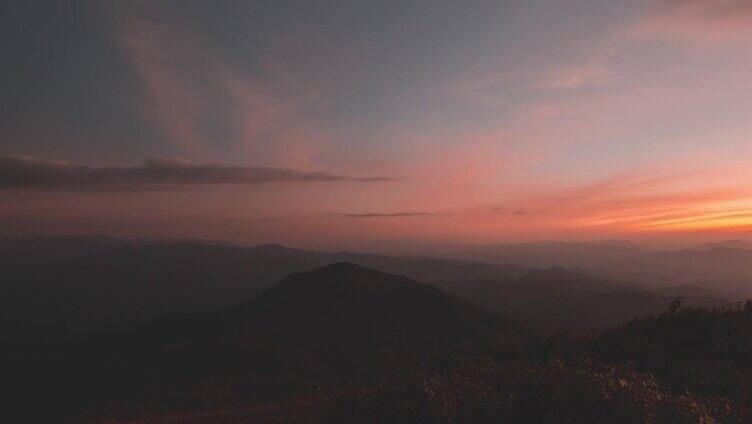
(344, 266)
(271, 246)
(347, 304)
(346, 275)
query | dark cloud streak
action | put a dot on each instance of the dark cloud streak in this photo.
(387, 215)
(507, 211)
(21, 172)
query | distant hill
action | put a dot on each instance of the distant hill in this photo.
(725, 266)
(689, 291)
(546, 254)
(337, 324)
(555, 299)
(720, 268)
(17, 252)
(729, 244)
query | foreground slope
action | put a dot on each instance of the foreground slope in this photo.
(689, 366)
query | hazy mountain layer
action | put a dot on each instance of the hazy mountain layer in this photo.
(66, 296)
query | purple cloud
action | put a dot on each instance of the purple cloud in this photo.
(29, 172)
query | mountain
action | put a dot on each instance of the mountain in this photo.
(70, 296)
(336, 324)
(730, 244)
(689, 291)
(433, 270)
(724, 266)
(17, 252)
(553, 300)
(343, 308)
(546, 254)
(130, 283)
(719, 268)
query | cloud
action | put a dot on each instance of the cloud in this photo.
(387, 215)
(173, 100)
(209, 106)
(658, 202)
(593, 74)
(507, 211)
(30, 172)
(699, 21)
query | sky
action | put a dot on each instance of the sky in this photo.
(327, 123)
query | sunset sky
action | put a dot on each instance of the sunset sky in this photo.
(325, 123)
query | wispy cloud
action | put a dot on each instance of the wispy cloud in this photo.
(592, 74)
(170, 99)
(387, 215)
(698, 21)
(208, 107)
(652, 203)
(30, 172)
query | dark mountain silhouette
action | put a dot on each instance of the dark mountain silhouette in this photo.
(344, 309)
(18, 252)
(136, 282)
(15, 252)
(240, 338)
(337, 324)
(70, 296)
(695, 350)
